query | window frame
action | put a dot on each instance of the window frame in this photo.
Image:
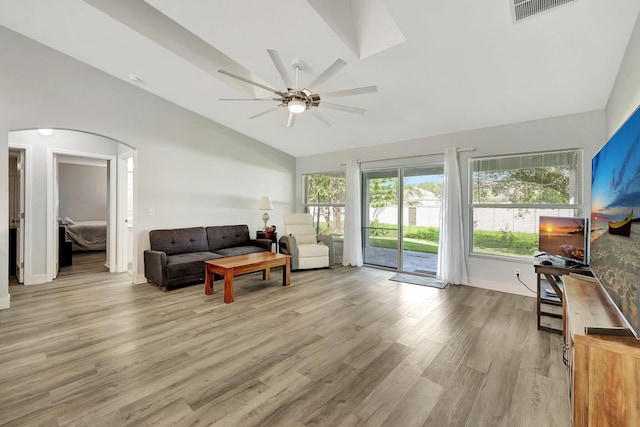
(306, 204)
(577, 205)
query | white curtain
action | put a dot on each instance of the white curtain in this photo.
(352, 249)
(451, 256)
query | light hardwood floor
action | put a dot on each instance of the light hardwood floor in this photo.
(339, 347)
(85, 262)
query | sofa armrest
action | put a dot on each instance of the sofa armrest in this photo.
(261, 243)
(155, 267)
(289, 246)
(327, 239)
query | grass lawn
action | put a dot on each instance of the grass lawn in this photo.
(409, 244)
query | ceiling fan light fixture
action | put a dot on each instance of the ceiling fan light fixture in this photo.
(296, 106)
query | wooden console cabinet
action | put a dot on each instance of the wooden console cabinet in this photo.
(603, 370)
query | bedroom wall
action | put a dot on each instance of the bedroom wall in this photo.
(189, 170)
(586, 130)
(83, 192)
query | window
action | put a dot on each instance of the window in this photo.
(324, 199)
(509, 194)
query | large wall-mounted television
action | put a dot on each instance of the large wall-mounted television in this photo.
(564, 239)
(615, 208)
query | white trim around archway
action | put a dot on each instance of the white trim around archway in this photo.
(28, 278)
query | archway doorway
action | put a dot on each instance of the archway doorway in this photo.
(42, 207)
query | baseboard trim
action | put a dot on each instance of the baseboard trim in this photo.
(501, 287)
(5, 302)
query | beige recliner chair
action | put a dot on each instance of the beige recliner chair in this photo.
(306, 249)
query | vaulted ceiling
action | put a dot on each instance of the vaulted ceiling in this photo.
(439, 66)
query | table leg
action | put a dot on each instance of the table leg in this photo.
(554, 285)
(208, 281)
(228, 286)
(266, 274)
(538, 299)
(286, 272)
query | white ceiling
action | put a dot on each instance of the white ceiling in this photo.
(463, 65)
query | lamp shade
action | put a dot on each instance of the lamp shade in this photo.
(265, 204)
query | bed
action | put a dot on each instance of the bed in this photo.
(86, 235)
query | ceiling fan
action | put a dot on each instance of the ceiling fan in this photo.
(298, 100)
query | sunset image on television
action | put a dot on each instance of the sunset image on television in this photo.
(562, 236)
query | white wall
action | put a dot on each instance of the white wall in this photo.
(190, 170)
(625, 96)
(585, 130)
(83, 192)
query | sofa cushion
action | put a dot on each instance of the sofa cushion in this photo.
(179, 240)
(188, 264)
(306, 239)
(239, 250)
(313, 262)
(227, 236)
(317, 250)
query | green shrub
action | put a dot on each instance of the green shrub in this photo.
(378, 229)
(430, 234)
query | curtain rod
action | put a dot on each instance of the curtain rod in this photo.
(459, 150)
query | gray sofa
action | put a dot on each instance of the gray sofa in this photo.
(176, 256)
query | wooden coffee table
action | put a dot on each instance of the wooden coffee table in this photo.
(241, 264)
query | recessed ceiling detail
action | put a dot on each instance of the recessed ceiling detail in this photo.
(523, 9)
(365, 26)
(461, 67)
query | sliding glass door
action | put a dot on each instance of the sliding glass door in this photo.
(380, 223)
(401, 214)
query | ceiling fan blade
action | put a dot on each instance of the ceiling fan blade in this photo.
(349, 92)
(251, 82)
(249, 99)
(264, 112)
(327, 74)
(292, 119)
(324, 119)
(277, 61)
(342, 108)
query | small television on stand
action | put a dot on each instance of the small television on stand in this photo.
(563, 241)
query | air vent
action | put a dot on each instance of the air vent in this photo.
(526, 8)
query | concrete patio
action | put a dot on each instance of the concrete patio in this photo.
(418, 262)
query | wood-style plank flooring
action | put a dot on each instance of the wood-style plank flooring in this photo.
(339, 347)
(85, 262)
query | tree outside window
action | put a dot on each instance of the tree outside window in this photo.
(325, 198)
(510, 193)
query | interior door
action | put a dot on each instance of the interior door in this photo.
(20, 220)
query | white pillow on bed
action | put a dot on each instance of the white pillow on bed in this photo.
(67, 221)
